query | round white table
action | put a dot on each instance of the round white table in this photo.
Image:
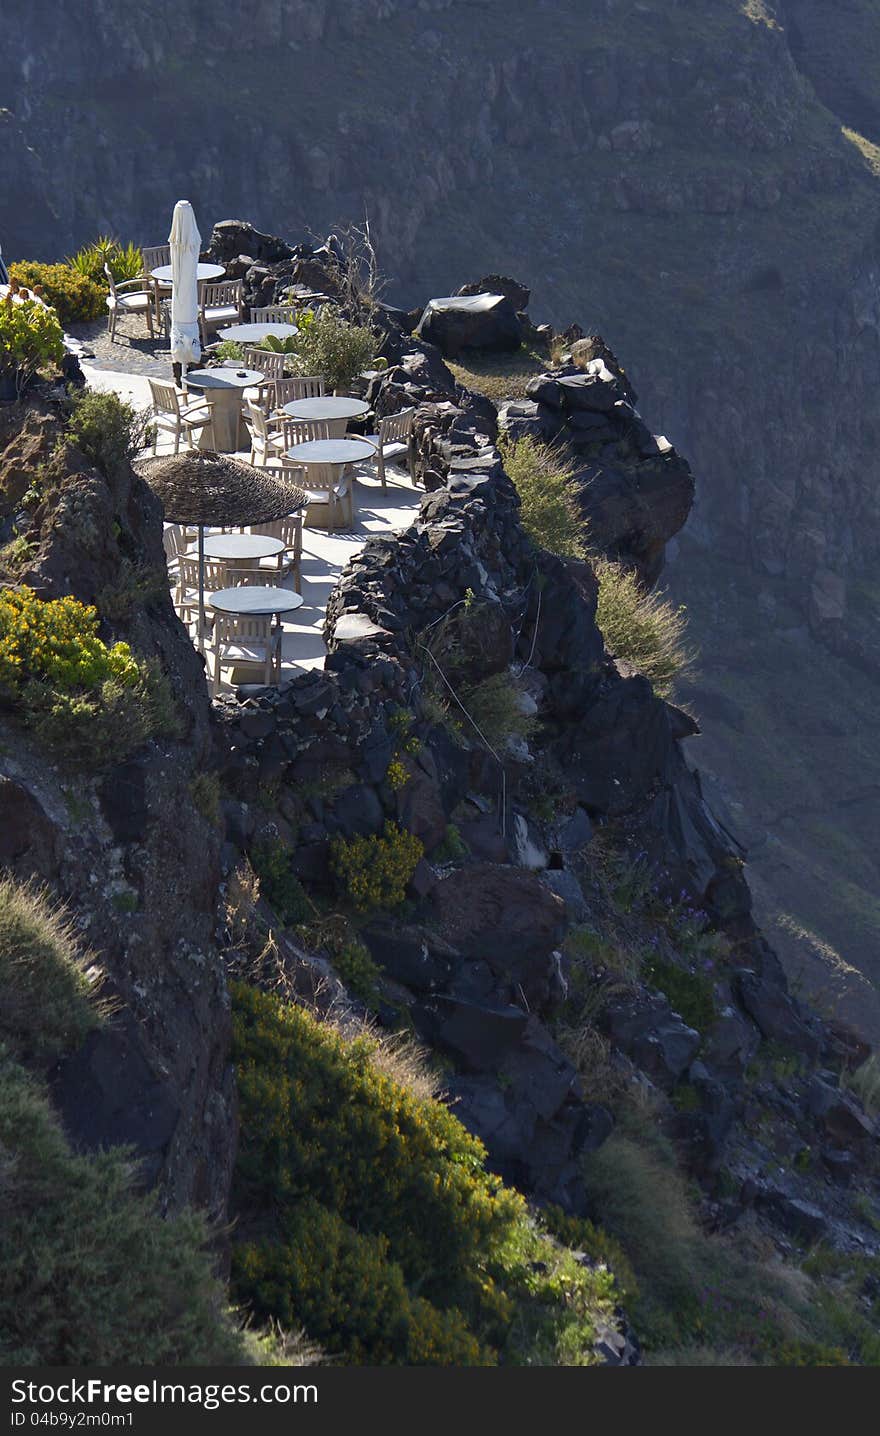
(243, 546)
(337, 452)
(325, 459)
(164, 272)
(335, 410)
(226, 387)
(254, 333)
(255, 602)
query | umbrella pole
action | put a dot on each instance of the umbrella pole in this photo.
(201, 589)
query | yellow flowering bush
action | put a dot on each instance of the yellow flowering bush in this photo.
(56, 641)
(92, 703)
(373, 1221)
(30, 339)
(75, 297)
(397, 775)
(374, 871)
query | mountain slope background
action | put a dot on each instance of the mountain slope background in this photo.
(698, 180)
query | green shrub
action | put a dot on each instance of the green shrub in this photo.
(551, 512)
(75, 297)
(366, 1212)
(97, 728)
(127, 263)
(228, 349)
(45, 1008)
(205, 792)
(453, 848)
(30, 339)
(90, 702)
(357, 969)
(109, 432)
(641, 628)
(340, 1284)
(89, 1271)
(690, 994)
(279, 884)
(374, 871)
(327, 345)
(495, 705)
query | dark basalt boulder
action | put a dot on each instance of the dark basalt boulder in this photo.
(108, 1096)
(654, 1036)
(518, 294)
(775, 1013)
(840, 1117)
(507, 917)
(233, 237)
(411, 955)
(479, 1035)
(475, 321)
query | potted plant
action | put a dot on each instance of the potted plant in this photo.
(30, 339)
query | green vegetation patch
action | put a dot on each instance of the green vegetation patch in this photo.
(91, 703)
(90, 1273)
(366, 1213)
(46, 1008)
(644, 629)
(550, 511)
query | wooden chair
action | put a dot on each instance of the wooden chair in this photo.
(303, 431)
(274, 314)
(289, 530)
(393, 440)
(170, 415)
(323, 484)
(267, 438)
(186, 597)
(300, 386)
(268, 363)
(219, 304)
(154, 255)
(175, 541)
(246, 642)
(130, 297)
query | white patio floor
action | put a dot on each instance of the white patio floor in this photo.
(325, 555)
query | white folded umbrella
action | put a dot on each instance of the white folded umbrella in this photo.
(186, 243)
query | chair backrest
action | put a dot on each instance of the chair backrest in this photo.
(286, 529)
(154, 255)
(304, 386)
(304, 431)
(233, 627)
(274, 314)
(108, 275)
(222, 295)
(240, 576)
(215, 573)
(257, 419)
(272, 365)
(173, 541)
(396, 428)
(165, 397)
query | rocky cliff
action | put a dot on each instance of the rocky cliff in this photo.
(123, 844)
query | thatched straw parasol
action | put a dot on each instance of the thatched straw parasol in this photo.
(216, 490)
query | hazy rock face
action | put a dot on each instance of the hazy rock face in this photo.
(683, 190)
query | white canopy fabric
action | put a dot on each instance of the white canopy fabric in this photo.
(186, 242)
